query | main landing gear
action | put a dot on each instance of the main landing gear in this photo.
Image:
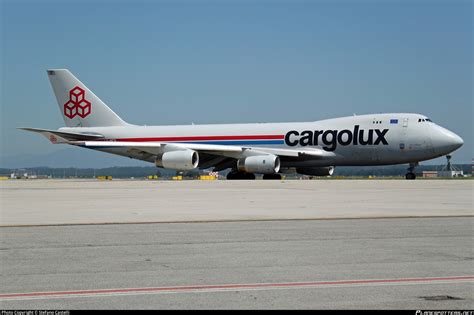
(240, 175)
(411, 171)
(272, 176)
(233, 175)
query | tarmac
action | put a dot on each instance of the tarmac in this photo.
(322, 244)
(46, 202)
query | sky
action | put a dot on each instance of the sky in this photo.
(182, 62)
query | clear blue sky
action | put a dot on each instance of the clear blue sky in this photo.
(177, 62)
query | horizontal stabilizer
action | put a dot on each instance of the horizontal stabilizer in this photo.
(56, 136)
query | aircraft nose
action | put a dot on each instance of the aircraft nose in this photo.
(445, 141)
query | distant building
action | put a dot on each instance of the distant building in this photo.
(449, 170)
(23, 174)
(430, 174)
(452, 173)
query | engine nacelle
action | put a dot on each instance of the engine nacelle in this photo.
(262, 164)
(316, 171)
(178, 160)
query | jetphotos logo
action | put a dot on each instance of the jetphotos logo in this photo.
(331, 138)
(77, 104)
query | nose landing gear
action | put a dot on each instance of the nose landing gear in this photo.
(411, 171)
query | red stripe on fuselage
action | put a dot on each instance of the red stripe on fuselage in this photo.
(204, 138)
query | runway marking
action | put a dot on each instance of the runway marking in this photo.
(448, 216)
(230, 287)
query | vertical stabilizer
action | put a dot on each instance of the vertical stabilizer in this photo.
(78, 105)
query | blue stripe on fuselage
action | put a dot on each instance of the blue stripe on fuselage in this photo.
(224, 142)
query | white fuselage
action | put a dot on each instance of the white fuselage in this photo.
(378, 139)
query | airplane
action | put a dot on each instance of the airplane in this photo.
(271, 149)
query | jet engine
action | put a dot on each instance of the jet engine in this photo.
(262, 164)
(316, 171)
(178, 160)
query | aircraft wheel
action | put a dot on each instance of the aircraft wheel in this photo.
(272, 176)
(250, 176)
(240, 176)
(410, 176)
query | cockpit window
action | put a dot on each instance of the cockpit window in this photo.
(424, 119)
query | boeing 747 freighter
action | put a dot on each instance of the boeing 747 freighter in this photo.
(311, 148)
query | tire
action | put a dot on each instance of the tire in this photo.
(240, 176)
(410, 176)
(271, 177)
(249, 176)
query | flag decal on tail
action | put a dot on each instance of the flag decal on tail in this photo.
(53, 139)
(77, 104)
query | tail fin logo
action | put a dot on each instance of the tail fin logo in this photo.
(77, 104)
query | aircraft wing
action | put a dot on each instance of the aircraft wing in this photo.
(229, 151)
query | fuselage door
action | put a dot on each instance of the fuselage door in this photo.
(405, 122)
(403, 136)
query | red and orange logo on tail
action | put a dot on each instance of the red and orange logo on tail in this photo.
(77, 104)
